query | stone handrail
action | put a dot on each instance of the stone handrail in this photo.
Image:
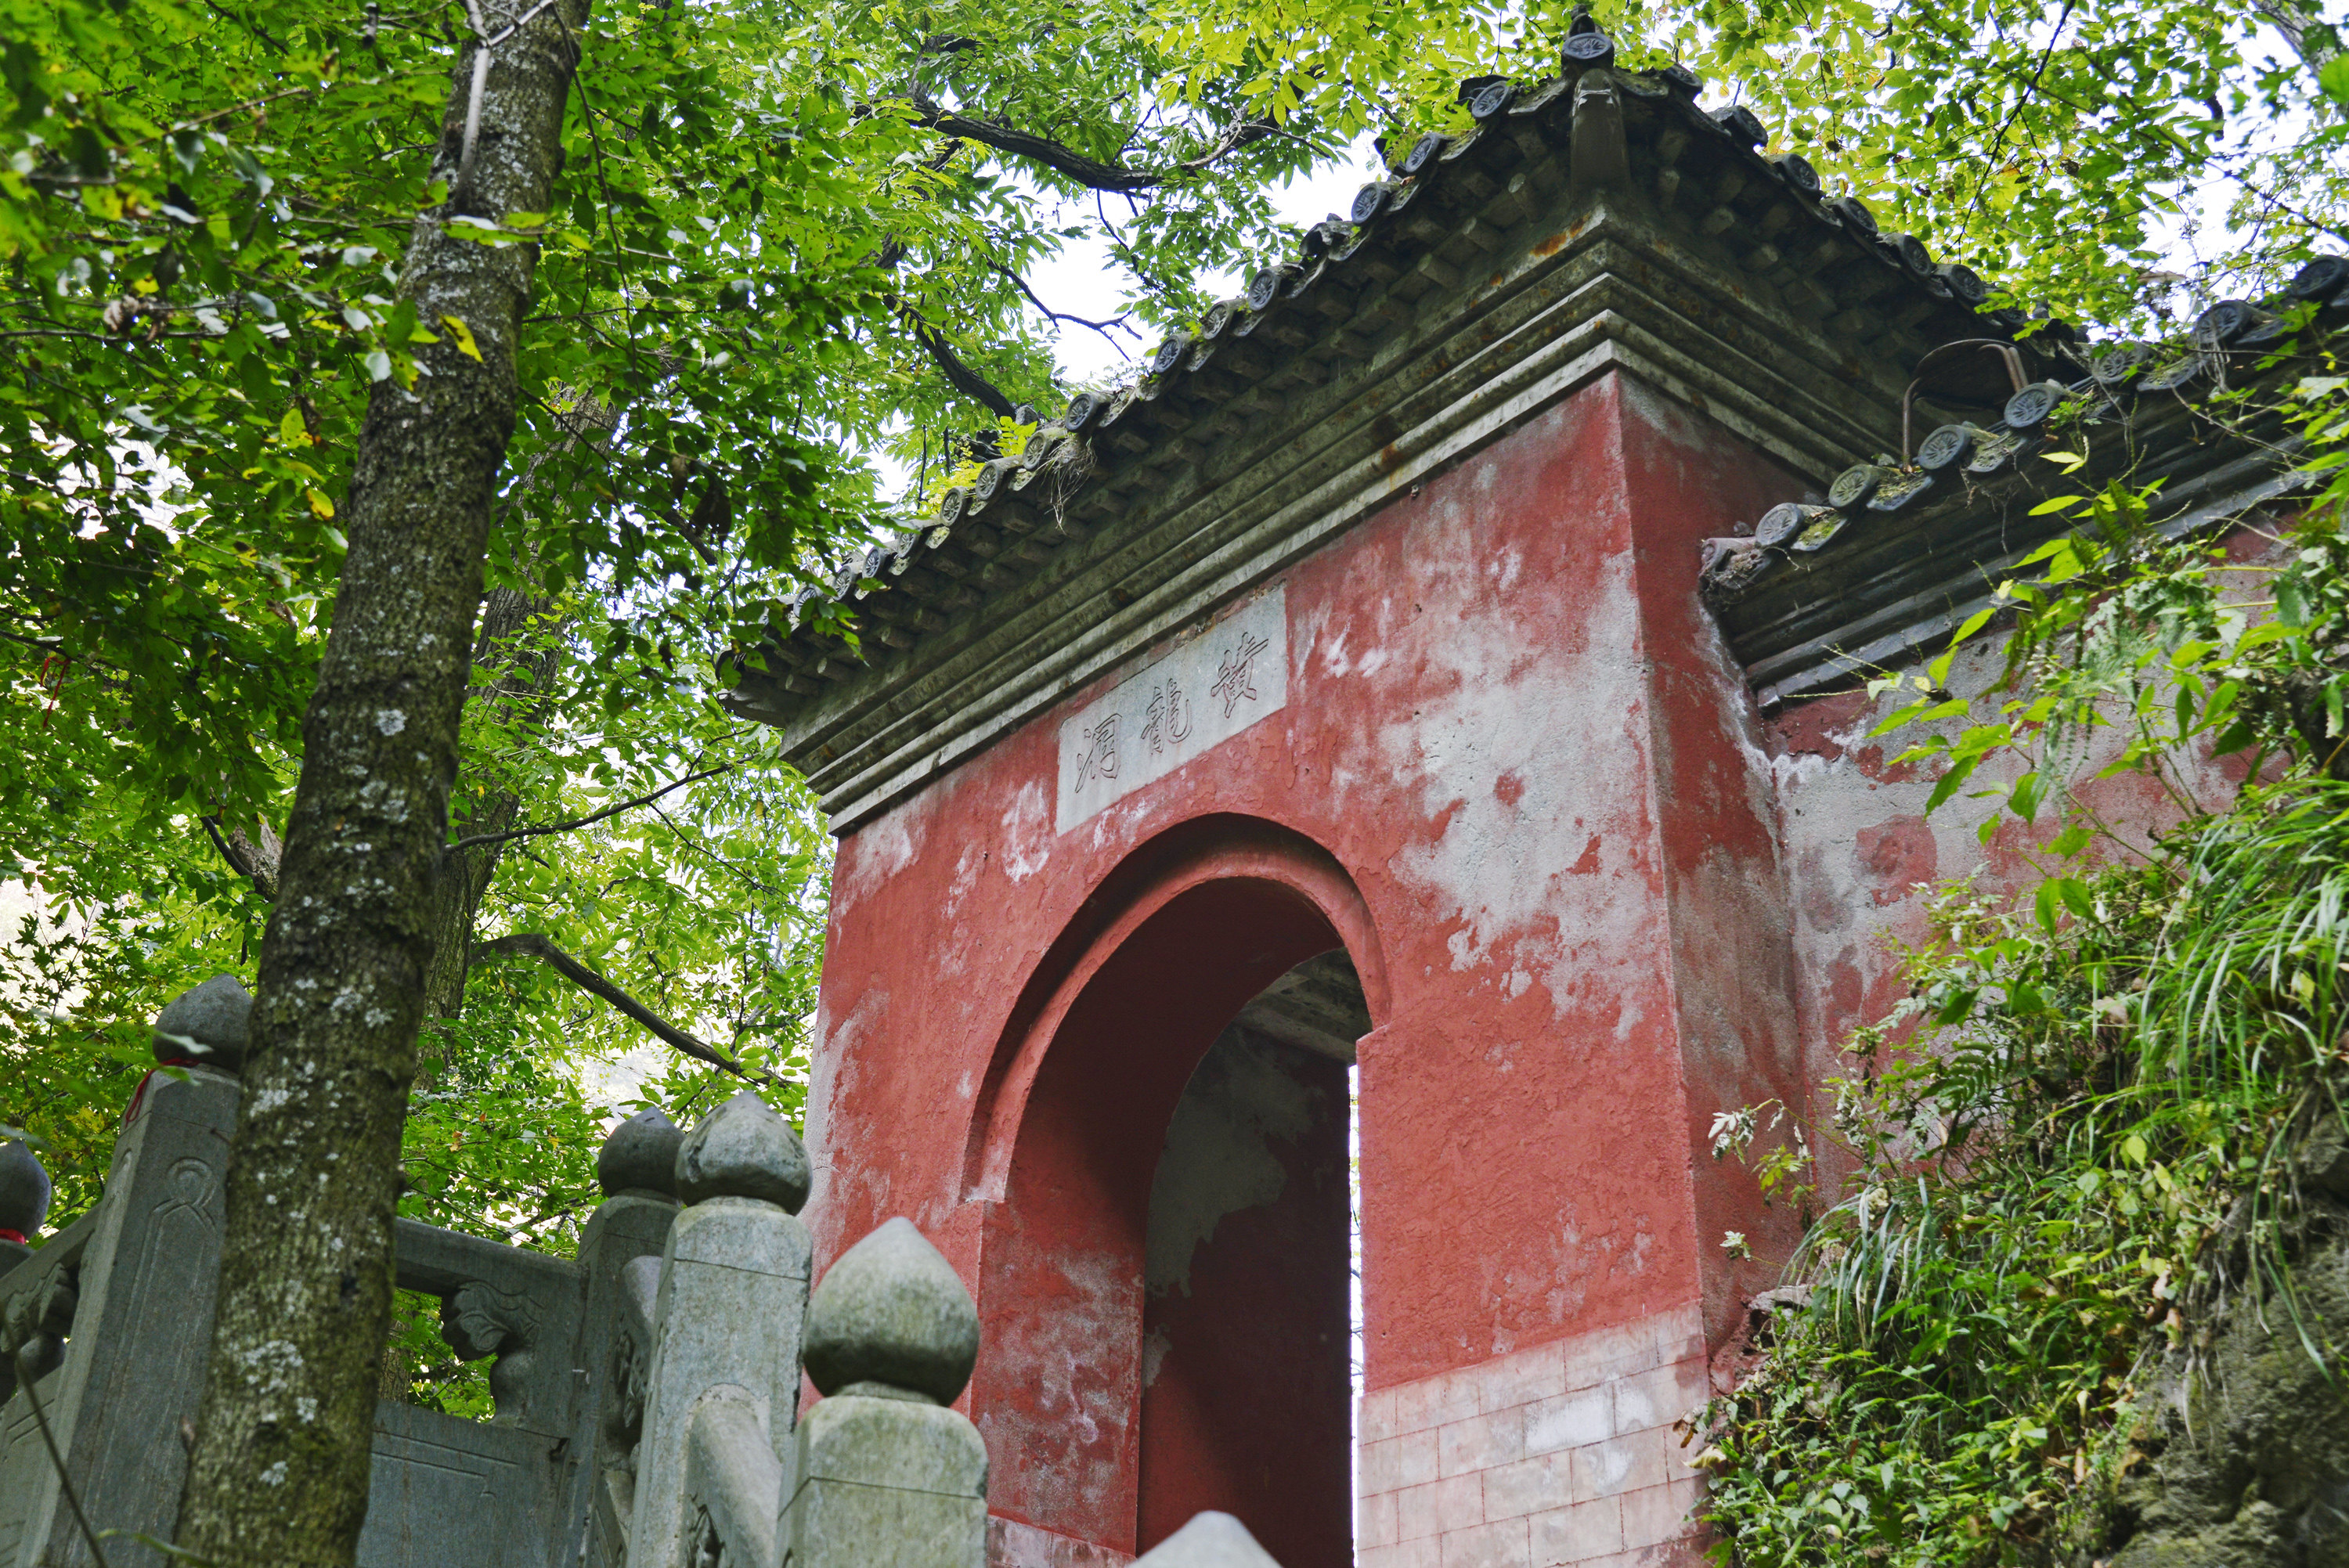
(115, 1310)
(502, 1302)
(725, 1325)
(723, 1471)
(39, 1290)
(733, 1483)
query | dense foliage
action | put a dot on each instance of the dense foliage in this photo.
(203, 209)
(2036, 1193)
(2084, 1114)
(2121, 162)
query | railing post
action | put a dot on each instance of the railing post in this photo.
(731, 1302)
(1212, 1540)
(134, 1279)
(27, 1331)
(885, 1475)
(636, 1168)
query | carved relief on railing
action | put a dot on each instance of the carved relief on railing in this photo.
(519, 1306)
(114, 1311)
(621, 1247)
(632, 1363)
(733, 1483)
(478, 1320)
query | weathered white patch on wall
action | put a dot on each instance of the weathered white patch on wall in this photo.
(1025, 845)
(1199, 694)
(1547, 878)
(884, 848)
(1218, 1158)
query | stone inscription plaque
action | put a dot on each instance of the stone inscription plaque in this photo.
(1203, 691)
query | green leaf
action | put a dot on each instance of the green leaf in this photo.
(2291, 602)
(2024, 797)
(2333, 77)
(1950, 783)
(2073, 839)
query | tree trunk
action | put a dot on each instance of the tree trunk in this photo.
(279, 1471)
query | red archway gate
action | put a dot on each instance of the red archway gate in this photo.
(1494, 754)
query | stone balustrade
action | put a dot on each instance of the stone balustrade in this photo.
(112, 1316)
(726, 1320)
(892, 1337)
(646, 1394)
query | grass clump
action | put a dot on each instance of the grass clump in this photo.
(2091, 1100)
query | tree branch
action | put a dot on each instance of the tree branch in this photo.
(1054, 316)
(611, 810)
(532, 944)
(1043, 150)
(964, 380)
(1060, 159)
(258, 861)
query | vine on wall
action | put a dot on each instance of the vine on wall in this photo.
(2083, 1139)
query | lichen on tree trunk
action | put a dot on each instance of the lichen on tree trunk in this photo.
(279, 1471)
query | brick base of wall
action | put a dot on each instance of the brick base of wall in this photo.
(1559, 1455)
(1012, 1545)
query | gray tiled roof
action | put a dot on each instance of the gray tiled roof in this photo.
(1433, 229)
(1898, 553)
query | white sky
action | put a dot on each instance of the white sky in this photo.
(1082, 280)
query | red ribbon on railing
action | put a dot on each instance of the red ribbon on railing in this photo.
(140, 1094)
(8, 1235)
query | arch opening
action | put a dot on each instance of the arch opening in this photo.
(1224, 1006)
(1249, 1311)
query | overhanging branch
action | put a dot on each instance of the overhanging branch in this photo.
(1067, 160)
(964, 380)
(257, 862)
(611, 810)
(532, 944)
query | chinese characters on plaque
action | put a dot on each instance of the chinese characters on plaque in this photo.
(1207, 688)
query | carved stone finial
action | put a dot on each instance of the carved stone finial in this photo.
(892, 1311)
(206, 1025)
(1211, 1540)
(640, 1156)
(25, 1189)
(743, 1150)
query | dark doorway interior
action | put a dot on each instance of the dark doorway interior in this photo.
(1246, 1361)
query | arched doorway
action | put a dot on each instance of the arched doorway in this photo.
(1111, 1412)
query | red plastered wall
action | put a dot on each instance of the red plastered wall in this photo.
(1514, 777)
